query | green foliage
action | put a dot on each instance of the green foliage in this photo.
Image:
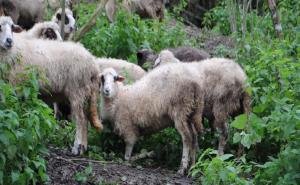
(220, 169)
(272, 67)
(25, 124)
(122, 39)
(82, 177)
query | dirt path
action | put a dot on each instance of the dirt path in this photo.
(62, 169)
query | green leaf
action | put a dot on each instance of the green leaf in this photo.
(89, 169)
(246, 141)
(11, 151)
(240, 121)
(4, 139)
(80, 177)
(2, 161)
(15, 175)
(225, 157)
(1, 177)
(237, 137)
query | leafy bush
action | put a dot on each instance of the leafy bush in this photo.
(271, 133)
(26, 123)
(220, 169)
(122, 39)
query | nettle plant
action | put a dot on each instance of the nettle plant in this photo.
(25, 124)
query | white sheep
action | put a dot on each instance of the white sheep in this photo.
(70, 23)
(165, 57)
(144, 8)
(158, 100)
(71, 73)
(44, 30)
(131, 71)
(224, 83)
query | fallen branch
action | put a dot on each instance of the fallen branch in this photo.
(90, 23)
(142, 156)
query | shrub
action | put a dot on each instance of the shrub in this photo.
(26, 123)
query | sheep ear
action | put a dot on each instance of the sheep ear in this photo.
(58, 16)
(16, 28)
(139, 54)
(120, 78)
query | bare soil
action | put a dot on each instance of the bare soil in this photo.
(62, 169)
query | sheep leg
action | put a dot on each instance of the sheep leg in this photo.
(186, 137)
(220, 118)
(80, 143)
(130, 140)
(223, 137)
(195, 145)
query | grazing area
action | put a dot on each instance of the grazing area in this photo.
(150, 92)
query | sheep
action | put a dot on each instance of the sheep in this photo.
(145, 8)
(184, 54)
(24, 12)
(71, 73)
(44, 30)
(158, 100)
(131, 71)
(165, 57)
(70, 23)
(225, 95)
(55, 4)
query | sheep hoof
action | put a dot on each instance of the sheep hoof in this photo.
(78, 149)
(98, 126)
(220, 152)
(181, 171)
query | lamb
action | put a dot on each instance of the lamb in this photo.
(224, 90)
(145, 8)
(70, 23)
(184, 54)
(24, 12)
(158, 100)
(71, 73)
(131, 71)
(44, 30)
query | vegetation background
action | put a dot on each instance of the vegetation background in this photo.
(270, 135)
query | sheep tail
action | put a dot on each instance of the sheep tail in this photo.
(197, 117)
(246, 103)
(246, 109)
(94, 118)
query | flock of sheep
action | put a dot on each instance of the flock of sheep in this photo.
(184, 86)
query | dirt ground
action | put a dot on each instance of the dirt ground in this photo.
(62, 169)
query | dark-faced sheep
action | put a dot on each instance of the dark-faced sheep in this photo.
(44, 30)
(144, 8)
(184, 54)
(158, 100)
(71, 73)
(224, 84)
(70, 23)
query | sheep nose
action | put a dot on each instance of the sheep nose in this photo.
(9, 42)
(106, 91)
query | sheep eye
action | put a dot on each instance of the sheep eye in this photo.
(66, 20)
(116, 78)
(0, 28)
(102, 79)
